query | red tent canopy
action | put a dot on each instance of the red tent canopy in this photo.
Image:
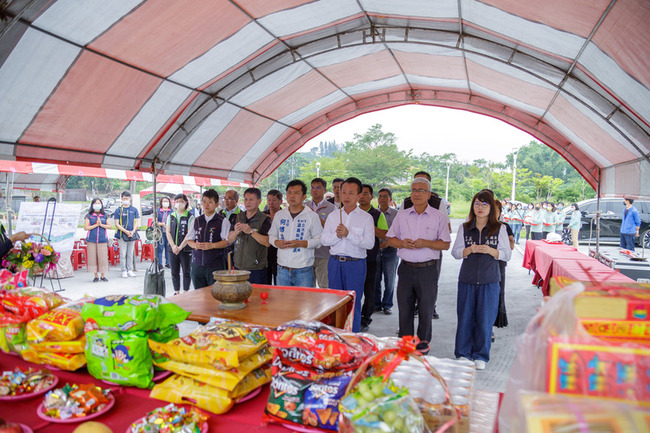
(230, 88)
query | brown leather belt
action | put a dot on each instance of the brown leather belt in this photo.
(420, 264)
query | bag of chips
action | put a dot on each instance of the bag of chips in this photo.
(180, 389)
(319, 346)
(163, 335)
(215, 345)
(29, 303)
(120, 357)
(64, 361)
(77, 345)
(63, 323)
(313, 403)
(224, 379)
(132, 313)
(12, 337)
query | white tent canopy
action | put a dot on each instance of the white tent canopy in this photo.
(230, 88)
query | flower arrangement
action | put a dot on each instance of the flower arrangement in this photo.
(31, 256)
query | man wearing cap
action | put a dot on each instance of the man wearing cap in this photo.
(419, 234)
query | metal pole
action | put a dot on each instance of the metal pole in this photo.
(447, 184)
(598, 217)
(8, 199)
(514, 175)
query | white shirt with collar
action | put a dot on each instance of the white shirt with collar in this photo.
(322, 209)
(305, 227)
(361, 236)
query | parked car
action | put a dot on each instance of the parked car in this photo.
(147, 208)
(611, 218)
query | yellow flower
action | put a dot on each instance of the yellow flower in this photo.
(47, 247)
(28, 264)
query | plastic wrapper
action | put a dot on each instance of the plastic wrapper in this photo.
(375, 405)
(535, 369)
(163, 335)
(132, 313)
(24, 381)
(171, 419)
(120, 357)
(74, 346)
(75, 401)
(215, 345)
(29, 303)
(12, 337)
(180, 389)
(546, 413)
(64, 361)
(310, 401)
(319, 346)
(224, 379)
(64, 323)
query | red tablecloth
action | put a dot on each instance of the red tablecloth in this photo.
(549, 260)
(130, 404)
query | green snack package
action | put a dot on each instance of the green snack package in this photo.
(163, 335)
(132, 313)
(120, 357)
(13, 337)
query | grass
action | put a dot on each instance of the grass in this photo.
(459, 208)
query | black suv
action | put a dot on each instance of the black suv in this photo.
(611, 218)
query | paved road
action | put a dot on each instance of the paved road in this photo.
(522, 300)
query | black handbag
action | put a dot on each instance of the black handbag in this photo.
(154, 280)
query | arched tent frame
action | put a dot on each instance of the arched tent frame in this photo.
(122, 85)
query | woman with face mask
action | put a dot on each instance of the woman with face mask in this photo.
(575, 223)
(164, 211)
(96, 223)
(537, 223)
(177, 225)
(528, 218)
(549, 219)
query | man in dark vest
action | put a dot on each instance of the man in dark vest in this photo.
(273, 203)
(178, 225)
(250, 236)
(208, 237)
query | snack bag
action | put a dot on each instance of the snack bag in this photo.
(12, 337)
(215, 345)
(319, 346)
(64, 361)
(224, 379)
(63, 323)
(29, 302)
(77, 345)
(132, 313)
(182, 390)
(313, 403)
(163, 335)
(120, 357)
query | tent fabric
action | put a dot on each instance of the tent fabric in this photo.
(52, 177)
(230, 88)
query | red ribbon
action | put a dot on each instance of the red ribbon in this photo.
(406, 346)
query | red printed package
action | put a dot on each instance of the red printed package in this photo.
(318, 346)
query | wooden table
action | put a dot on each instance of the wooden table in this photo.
(283, 304)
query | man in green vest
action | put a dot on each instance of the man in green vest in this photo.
(250, 237)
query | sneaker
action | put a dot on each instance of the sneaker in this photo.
(125, 275)
(435, 316)
(95, 280)
(177, 292)
(167, 265)
(480, 365)
(462, 358)
(104, 279)
(388, 311)
(132, 274)
(364, 328)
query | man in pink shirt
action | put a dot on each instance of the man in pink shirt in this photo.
(419, 233)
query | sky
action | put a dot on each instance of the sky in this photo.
(436, 131)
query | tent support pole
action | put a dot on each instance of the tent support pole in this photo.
(8, 205)
(598, 216)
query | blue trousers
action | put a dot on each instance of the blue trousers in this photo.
(516, 230)
(349, 276)
(627, 241)
(259, 276)
(163, 248)
(477, 306)
(386, 267)
(303, 277)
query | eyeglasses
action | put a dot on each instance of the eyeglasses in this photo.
(481, 204)
(420, 190)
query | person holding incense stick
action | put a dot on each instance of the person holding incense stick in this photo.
(208, 237)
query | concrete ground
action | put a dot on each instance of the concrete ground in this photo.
(522, 300)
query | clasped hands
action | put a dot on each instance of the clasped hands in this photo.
(410, 244)
(480, 249)
(243, 228)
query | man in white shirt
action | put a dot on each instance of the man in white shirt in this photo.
(322, 208)
(349, 233)
(295, 232)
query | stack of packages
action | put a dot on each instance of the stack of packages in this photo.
(559, 363)
(17, 307)
(117, 331)
(215, 365)
(312, 366)
(57, 337)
